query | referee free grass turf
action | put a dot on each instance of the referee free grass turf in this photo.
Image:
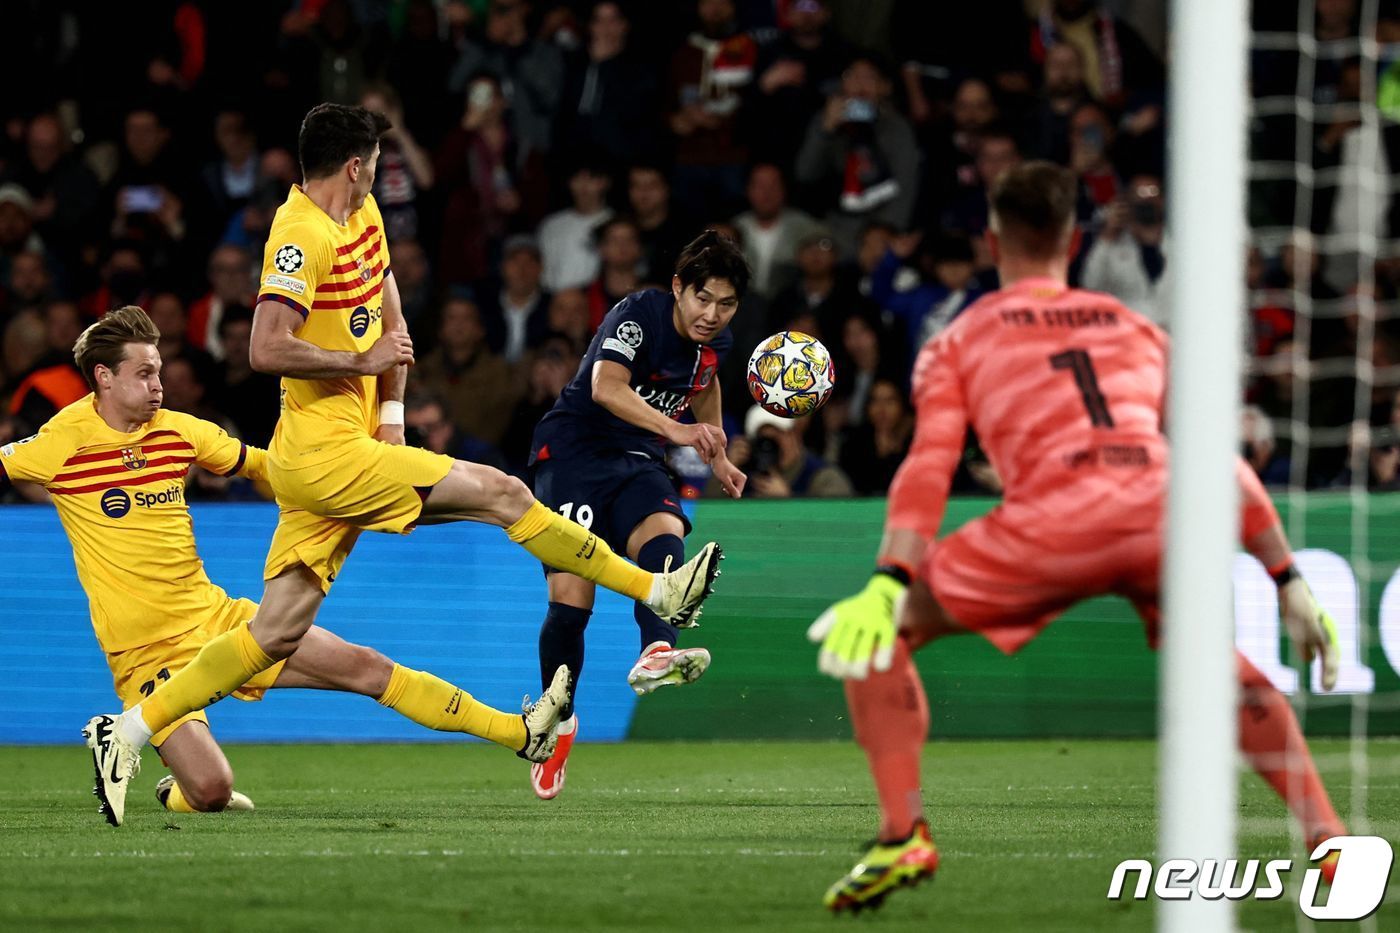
(646, 836)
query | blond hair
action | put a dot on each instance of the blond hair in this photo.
(104, 343)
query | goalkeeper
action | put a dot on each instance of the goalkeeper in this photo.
(1065, 388)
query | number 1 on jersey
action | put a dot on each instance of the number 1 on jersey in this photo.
(1077, 361)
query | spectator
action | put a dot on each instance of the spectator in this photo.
(551, 368)
(229, 181)
(167, 312)
(770, 450)
(926, 300)
(566, 237)
(709, 73)
(1260, 451)
(1091, 137)
(474, 382)
(796, 73)
(231, 283)
(250, 399)
(940, 44)
(867, 352)
(568, 316)
(30, 284)
(862, 155)
(610, 96)
(873, 449)
(1118, 63)
(529, 72)
(476, 168)
(1127, 259)
(415, 280)
(417, 63)
(344, 52)
(64, 190)
(517, 313)
(123, 280)
(404, 170)
(1062, 91)
(16, 227)
(953, 155)
(25, 346)
(620, 259)
(770, 231)
(428, 424)
(818, 293)
(150, 194)
(662, 233)
(51, 382)
(997, 151)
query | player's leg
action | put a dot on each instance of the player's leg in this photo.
(473, 492)
(325, 661)
(1272, 741)
(657, 543)
(562, 643)
(288, 609)
(200, 779)
(889, 712)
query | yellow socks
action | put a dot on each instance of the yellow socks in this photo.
(433, 702)
(567, 546)
(221, 667)
(175, 801)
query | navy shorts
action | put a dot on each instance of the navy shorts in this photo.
(608, 496)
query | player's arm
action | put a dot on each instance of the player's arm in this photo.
(859, 632)
(1310, 627)
(393, 379)
(226, 456)
(275, 349)
(708, 409)
(612, 388)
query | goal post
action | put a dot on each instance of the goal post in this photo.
(1207, 165)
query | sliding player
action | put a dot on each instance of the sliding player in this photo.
(115, 464)
(1065, 389)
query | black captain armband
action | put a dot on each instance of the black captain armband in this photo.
(896, 572)
(1287, 574)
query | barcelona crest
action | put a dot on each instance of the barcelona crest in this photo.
(133, 458)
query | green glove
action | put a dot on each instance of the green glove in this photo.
(858, 632)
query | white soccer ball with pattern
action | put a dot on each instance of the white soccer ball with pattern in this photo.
(790, 374)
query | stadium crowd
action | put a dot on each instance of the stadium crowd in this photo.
(548, 157)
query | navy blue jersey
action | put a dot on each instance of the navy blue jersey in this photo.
(667, 372)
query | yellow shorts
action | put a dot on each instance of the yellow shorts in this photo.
(137, 672)
(367, 486)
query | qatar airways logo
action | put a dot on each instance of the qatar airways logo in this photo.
(668, 403)
(1356, 892)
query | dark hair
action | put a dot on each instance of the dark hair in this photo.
(600, 232)
(235, 314)
(1033, 207)
(333, 134)
(713, 255)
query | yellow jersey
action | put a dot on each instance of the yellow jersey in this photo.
(121, 498)
(333, 276)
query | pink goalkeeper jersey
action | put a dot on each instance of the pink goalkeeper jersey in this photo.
(1065, 390)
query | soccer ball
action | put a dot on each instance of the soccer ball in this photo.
(790, 374)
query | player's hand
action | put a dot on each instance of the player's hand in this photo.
(1310, 628)
(731, 478)
(858, 633)
(390, 434)
(707, 439)
(393, 348)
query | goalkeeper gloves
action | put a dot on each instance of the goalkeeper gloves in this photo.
(1310, 627)
(858, 632)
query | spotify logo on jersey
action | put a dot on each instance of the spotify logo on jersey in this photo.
(116, 503)
(359, 321)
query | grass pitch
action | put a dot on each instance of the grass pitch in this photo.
(675, 836)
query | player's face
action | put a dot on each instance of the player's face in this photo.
(705, 309)
(365, 181)
(133, 391)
